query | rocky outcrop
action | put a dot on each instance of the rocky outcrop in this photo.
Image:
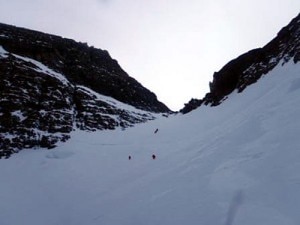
(245, 70)
(191, 105)
(51, 86)
(81, 64)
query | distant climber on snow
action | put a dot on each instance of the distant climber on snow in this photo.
(153, 156)
(129, 157)
(156, 131)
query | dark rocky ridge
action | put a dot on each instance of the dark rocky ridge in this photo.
(81, 64)
(249, 67)
(50, 86)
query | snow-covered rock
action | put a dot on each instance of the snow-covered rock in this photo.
(248, 68)
(51, 86)
(237, 163)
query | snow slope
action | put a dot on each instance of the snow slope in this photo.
(237, 163)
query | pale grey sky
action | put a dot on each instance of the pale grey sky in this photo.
(172, 47)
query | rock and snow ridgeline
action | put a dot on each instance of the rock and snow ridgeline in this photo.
(248, 68)
(237, 163)
(52, 85)
(40, 106)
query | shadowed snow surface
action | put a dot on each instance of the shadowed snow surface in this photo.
(237, 163)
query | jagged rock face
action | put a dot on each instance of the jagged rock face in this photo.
(191, 105)
(82, 65)
(96, 112)
(48, 92)
(35, 108)
(245, 70)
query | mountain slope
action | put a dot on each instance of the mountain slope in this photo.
(81, 64)
(236, 163)
(248, 68)
(51, 85)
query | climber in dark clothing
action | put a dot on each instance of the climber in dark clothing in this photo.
(129, 157)
(153, 156)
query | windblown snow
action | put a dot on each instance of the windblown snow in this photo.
(237, 163)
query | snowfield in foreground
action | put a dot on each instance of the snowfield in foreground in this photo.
(237, 163)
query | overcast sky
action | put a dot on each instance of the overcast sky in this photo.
(172, 47)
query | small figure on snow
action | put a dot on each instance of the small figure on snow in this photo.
(153, 156)
(129, 157)
(156, 131)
